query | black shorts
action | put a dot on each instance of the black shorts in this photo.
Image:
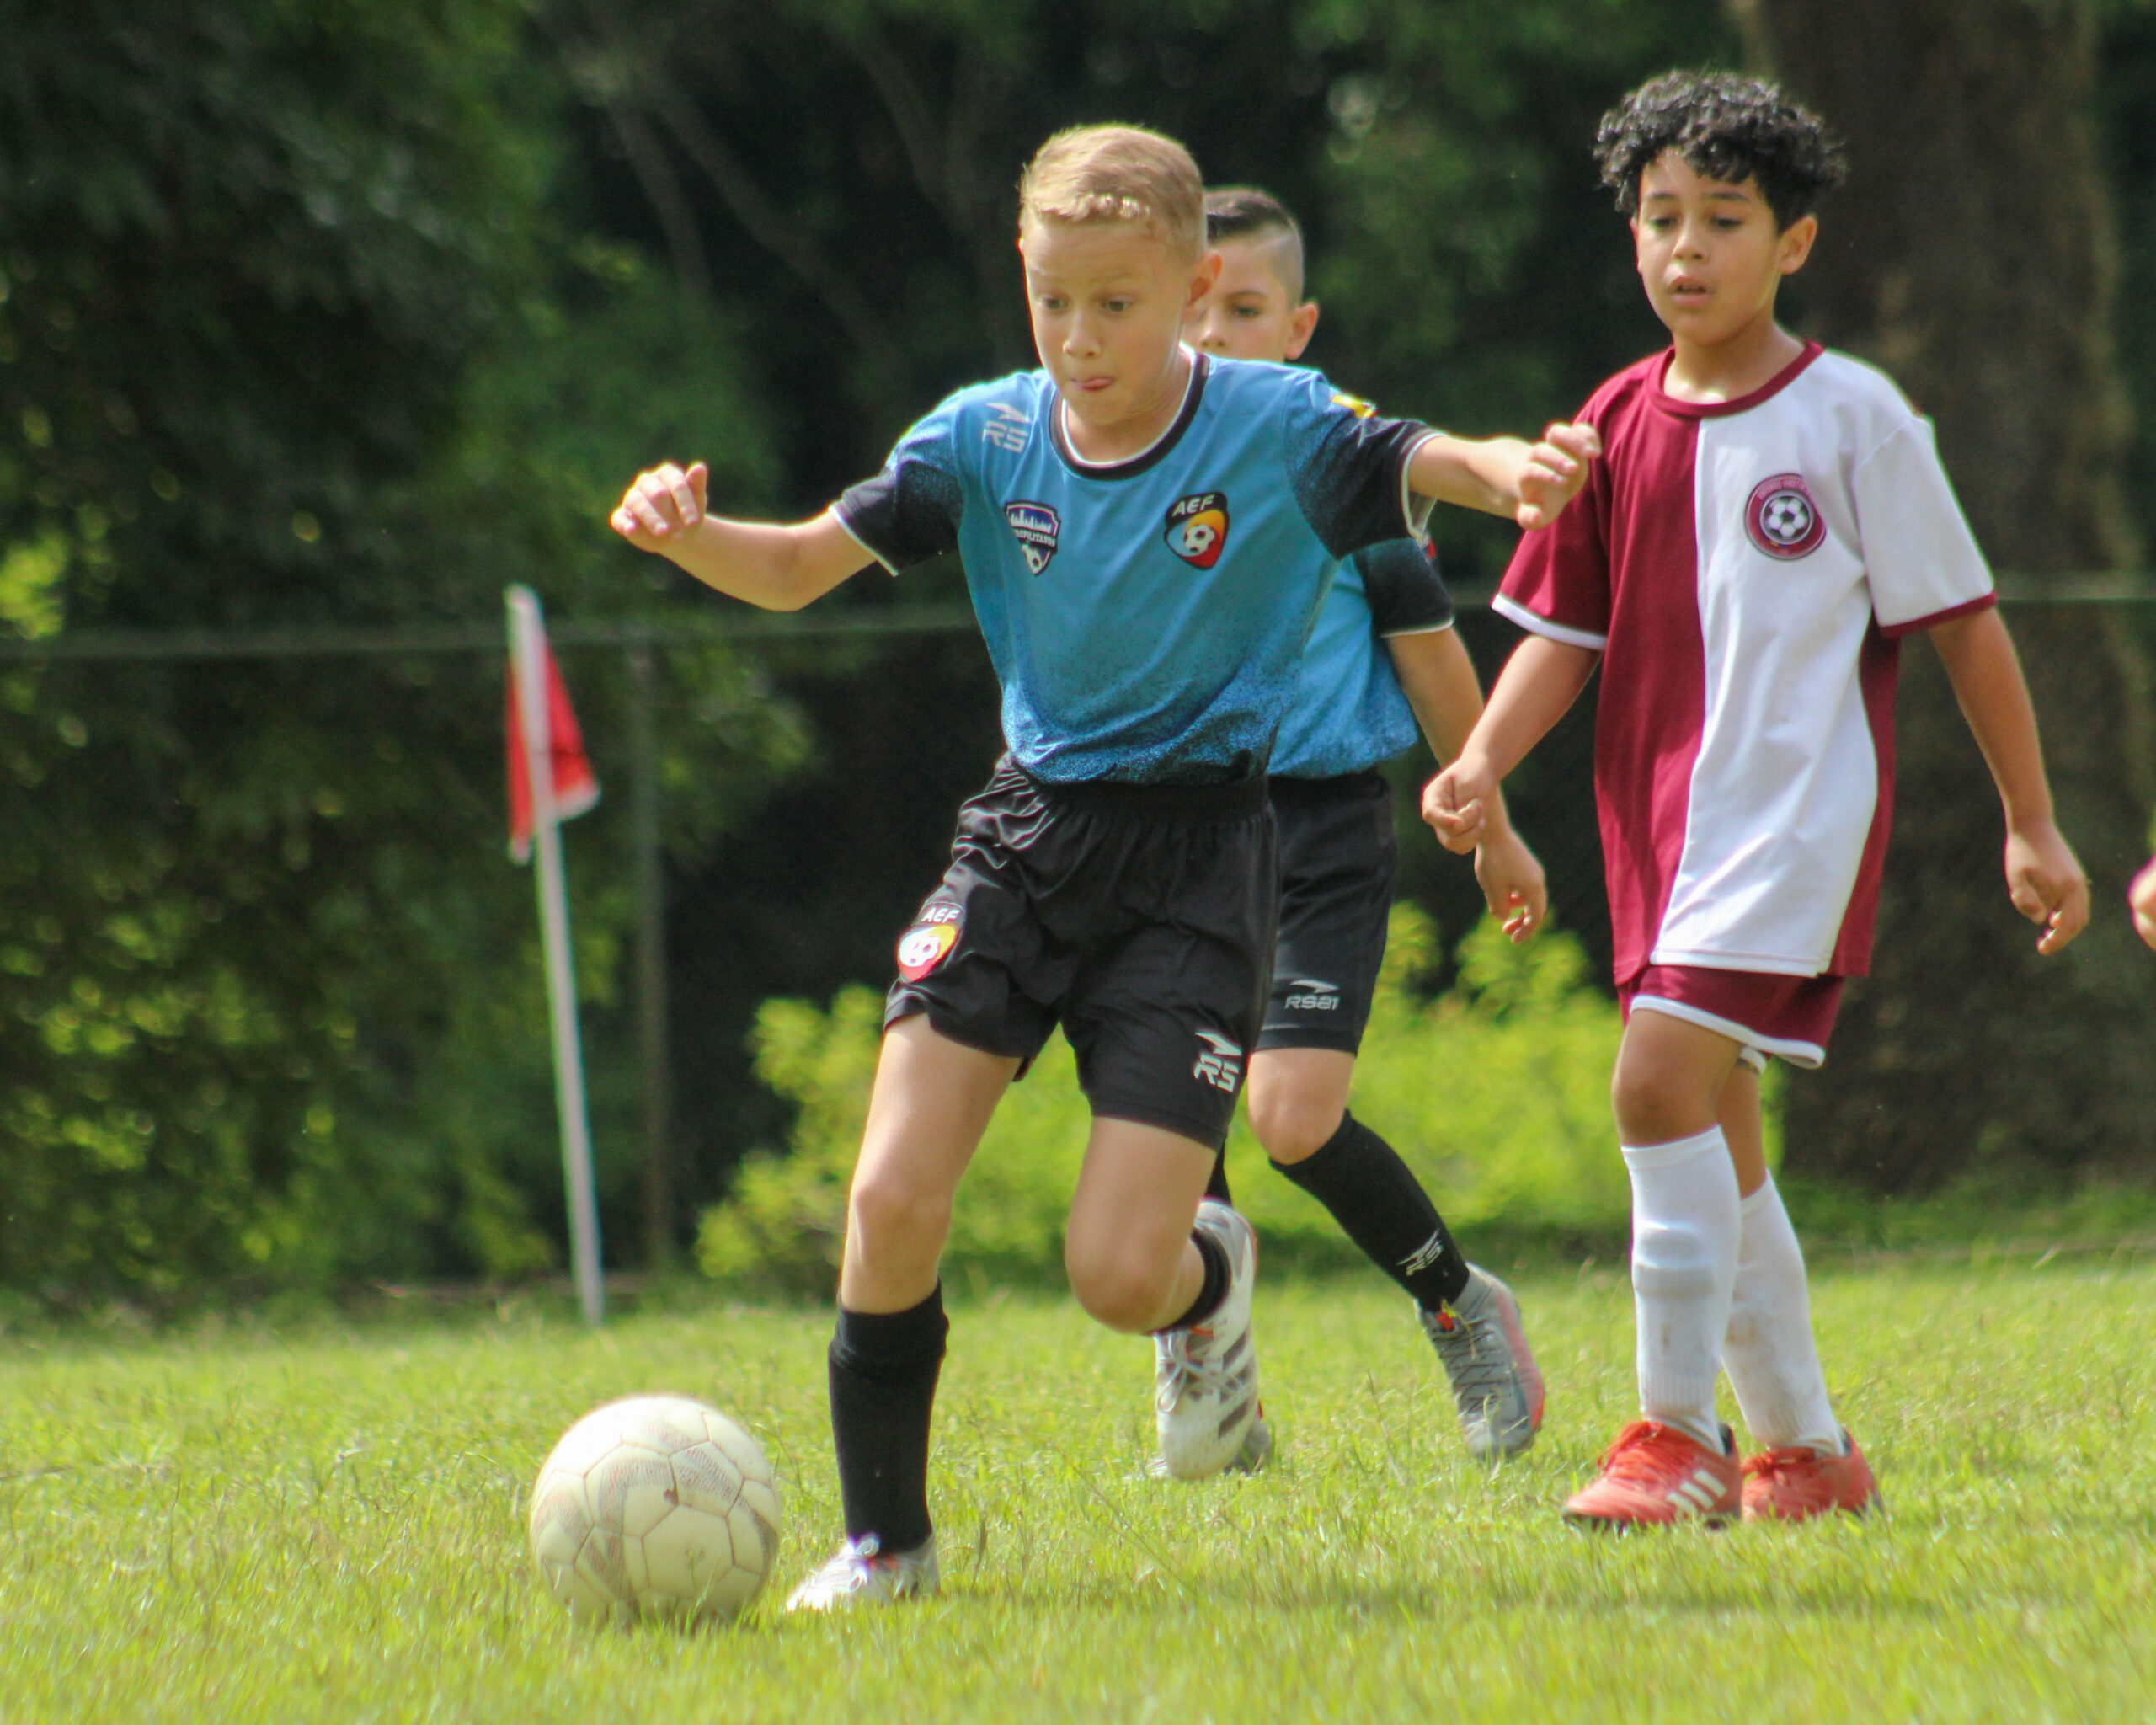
(1139, 917)
(1338, 858)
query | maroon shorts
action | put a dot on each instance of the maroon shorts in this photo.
(1790, 1017)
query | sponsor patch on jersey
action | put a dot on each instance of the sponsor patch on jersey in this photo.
(1309, 994)
(1011, 428)
(929, 942)
(1198, 528)
(1782, 518)
(1037, 528)
(1354, 403)
(1220, 1062)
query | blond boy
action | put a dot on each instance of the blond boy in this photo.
(1145, 541)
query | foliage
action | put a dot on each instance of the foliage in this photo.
(325, 1525)
(1497, 1093)
(284, 332)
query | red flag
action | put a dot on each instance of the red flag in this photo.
(575, 787)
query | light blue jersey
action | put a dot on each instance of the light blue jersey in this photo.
(1146, 619)
(1349, 713)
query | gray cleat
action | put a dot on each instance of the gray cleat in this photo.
(1496, 1384)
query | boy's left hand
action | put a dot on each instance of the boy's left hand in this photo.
(2141, 895)
(1553, 471)
(1512, 885)
(2047, 883)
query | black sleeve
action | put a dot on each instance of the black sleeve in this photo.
(907, 514)
(1407, 594)
(1347, 465)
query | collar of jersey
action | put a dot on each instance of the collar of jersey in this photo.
(1716, 409)
(1154, 453)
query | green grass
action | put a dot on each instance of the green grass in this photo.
(325, 1524)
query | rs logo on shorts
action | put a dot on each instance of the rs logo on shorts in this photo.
(929, 942)
(1036, 527)
(1198, 528)
(1220, 1062)
(1782, 520)
(1311, 995)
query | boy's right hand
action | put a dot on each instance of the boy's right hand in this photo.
(2141, 895)
(1455, 803)
(1555, 470)
(2047, 883)
(664, 504)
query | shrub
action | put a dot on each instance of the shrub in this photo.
(1495, 1093)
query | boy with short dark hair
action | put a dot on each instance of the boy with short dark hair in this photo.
(1382, 656)
(1146, 536)
(1769, 522)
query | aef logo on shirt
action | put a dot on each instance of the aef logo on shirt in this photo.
(1036, 526)
(1782, 520)
(1198, 528)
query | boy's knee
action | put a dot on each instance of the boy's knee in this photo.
(892, 1216)
(1292, 1126)
(1652, 1109)
(1116, 1289)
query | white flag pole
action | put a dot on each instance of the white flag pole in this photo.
(526, 642)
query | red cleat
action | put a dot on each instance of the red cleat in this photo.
(1799, 1484)
(1654, 1475)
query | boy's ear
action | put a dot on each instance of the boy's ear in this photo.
(1201, 284)
(1301, 328)
(1794, 245)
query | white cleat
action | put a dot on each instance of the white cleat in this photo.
(860, 1573)
(1496, 1384)
(1205, 1374)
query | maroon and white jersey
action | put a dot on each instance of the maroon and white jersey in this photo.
(1746, 568)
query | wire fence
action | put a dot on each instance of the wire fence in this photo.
(804, 894)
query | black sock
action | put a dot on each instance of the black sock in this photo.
(1372, 1194)
(1213, 1289)
(1217, 1187)
(884, 1367)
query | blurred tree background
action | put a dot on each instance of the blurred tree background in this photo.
(332, 312)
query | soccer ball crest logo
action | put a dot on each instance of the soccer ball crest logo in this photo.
(1782, 520)
(1198, 528)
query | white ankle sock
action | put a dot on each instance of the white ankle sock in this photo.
(1773, 1361)
(1684, 1235)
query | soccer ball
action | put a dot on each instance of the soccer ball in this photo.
(656, 1506)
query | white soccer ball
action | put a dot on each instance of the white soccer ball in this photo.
(656, 1506)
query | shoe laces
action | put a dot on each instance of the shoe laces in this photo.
(1773, 1465)
(1475, 1357)
(1634, 1457)
(1184, 1365)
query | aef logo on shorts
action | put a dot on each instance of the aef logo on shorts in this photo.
(1198, 528)
(929, 942)
(1220, 1062)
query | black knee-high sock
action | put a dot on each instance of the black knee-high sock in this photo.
(1214, 1290)
(884, 1367)
(1217, 1187)
(1372, 1194)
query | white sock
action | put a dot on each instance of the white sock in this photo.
(1773, 1363)
(1684, 1234)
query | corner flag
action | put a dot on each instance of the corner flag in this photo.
(575, 790)
(549, 781)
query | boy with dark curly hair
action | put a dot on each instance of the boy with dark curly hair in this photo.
(1769, 520)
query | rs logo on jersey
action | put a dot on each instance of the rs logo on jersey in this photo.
(1782, 520)
(1198, 528)
(1036, 526)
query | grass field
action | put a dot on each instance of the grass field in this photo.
(325, 1524)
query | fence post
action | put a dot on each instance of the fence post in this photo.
(651, 965)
